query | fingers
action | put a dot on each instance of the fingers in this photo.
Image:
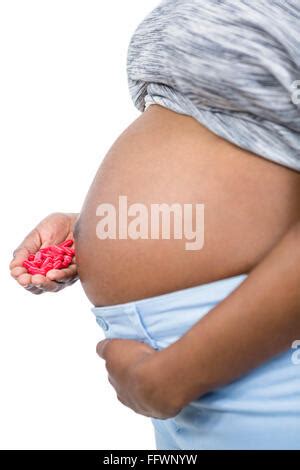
(121, 351)
(107, 348)
(19, 256)
(44, 284)
(17, 271)
(29, 245)
(24, 279)
(36, 284)
(34, 290)
(54, 281)
(63, 275)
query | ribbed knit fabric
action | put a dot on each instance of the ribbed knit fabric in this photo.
(230, 64)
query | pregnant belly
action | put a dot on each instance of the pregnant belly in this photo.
(241, 203)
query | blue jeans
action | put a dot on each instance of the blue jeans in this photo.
(259, 411)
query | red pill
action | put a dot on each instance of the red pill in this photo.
(46, 261)
(42, 250)
(28, 264)
(57, 264)
(69, 251)
(38, 258)
(58, 250)
(66, 243)
(58, 258)
(37, 271)
(48, 266)
(45, 251)
(50, 257)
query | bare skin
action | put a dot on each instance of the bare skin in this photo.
(164, 157)
(252, 225)
(257, 321)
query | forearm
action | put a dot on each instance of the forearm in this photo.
(257, 321)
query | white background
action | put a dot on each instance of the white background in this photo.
(63, 101)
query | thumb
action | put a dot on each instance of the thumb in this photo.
(101, 348)
(19, 255)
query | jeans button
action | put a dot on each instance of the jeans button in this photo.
(101, 322)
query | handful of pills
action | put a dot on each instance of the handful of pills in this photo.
(51, 257)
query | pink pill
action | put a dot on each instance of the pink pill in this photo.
(49, 264)
(69, 251)
(47, 261)
(66, 243)
(50, 257)
(48, 267)
(46, 249)
(57, 250)
(38, 257)
(58, 258)
(28, 264)
(57, 264)
(34, 271)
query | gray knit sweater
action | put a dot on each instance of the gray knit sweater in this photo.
(231, 64)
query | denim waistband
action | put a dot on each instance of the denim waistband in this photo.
(161, 320)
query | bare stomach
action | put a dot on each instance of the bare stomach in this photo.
(164, 157)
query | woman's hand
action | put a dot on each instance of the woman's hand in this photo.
(136, 373)
(53, 229)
